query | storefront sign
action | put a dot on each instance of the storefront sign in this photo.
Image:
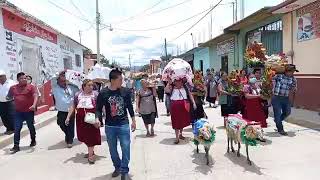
(225, 47)
(19, 25)
(308, 22)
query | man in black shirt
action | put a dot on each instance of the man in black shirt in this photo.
(117, 100)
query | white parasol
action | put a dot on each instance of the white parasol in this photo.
(73, 77)
(177, 69)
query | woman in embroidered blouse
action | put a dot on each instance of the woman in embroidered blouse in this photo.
(180, 107)
(254, 109)
(85, 102)
(243, 77)
(147, 106)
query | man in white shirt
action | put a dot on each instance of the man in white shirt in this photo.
(6, 105)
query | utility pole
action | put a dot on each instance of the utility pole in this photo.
(98, 30)
(80, 35)
(192, 38)
(211, 22)
(236, 2)
(165, 49)
(130, 61)
(233, 11)
(242, 9)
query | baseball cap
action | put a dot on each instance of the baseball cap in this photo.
(291, 67)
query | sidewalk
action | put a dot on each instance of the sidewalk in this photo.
(302, 117)
(40, 121)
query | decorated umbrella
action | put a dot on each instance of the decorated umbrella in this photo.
(73, 77)
(99, 74)
(177, 69)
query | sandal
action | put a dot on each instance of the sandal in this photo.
(87, 155)
(148, 134)
(152, 132)
(91, 159)
(176, 142)
(182, 137)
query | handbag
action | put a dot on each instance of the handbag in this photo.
(186, 102)
(90, 118)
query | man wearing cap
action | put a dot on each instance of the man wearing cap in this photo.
(64, 94)
(283, 85)
(6, 106)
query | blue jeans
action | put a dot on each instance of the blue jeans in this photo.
(121, 133)
(19, 118)
(281, 109)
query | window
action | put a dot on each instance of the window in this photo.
(67, 61)
(78, 60)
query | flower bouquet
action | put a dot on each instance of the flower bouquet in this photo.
(138, 76)
(203, 132)
(255, 55)
(266, 87)
(277, 62)
(234, 84)
(199, 86)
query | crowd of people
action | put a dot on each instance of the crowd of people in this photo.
(76, 107)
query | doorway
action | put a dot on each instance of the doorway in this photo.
(201, 65)
(224, 63)
(30, 60)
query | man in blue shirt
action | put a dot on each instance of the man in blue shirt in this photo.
(283, 84)
(117, 100)
(64, 97)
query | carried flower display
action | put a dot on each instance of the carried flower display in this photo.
(255, 55)
(177, 68)
(277, 62)
(203, 132)
(266, 87)
(199, 88)
(234, 84)
(138, 76)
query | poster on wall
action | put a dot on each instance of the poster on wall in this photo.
(225, 47)
(11, 65)
(308, 22)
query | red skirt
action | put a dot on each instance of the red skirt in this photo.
(87, 133)
(180, 116)
(253, 111)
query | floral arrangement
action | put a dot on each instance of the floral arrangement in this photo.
(234, 83)
(199, 85)
(277, 62)
(266, 87)
(255, 55)
(203, 132)
(138, 76)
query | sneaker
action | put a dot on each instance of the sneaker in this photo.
(283, 133)
(15, 149)
(124, 177)
(33, 143)
(69, 146)
(8, 132)
(115, 173)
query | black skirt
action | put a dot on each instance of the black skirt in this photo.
(149, 118)
(232, 107)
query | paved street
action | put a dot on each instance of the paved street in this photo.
(292, 157)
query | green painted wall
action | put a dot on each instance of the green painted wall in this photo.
(202, 54)
(242, 36)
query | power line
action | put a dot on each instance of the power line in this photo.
(211, 9)
(163, 27)
(139, 14)
(77, 8)
(61, 8)
(170, 7)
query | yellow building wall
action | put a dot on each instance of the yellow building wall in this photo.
(306, 53)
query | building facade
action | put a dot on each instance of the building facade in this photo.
(301, 22)
(29, 45)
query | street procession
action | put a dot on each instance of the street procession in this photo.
(240, 104)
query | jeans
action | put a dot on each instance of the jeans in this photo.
(7, 115)
(281, 109)
(19, 118)
(121, 133)
(68, 130)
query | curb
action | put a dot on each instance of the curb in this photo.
(304, 123)
(25, 131)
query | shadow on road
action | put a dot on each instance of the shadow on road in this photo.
(108, 177)
(188, 130)
(276, 134)
(268, 142)
(170, 141)
(242, 161)
(144, 136)
(79, 158)
(62, 145)
(200, 160)
(22, 148)
(167, 123)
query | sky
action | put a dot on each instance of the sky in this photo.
(126, 17)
